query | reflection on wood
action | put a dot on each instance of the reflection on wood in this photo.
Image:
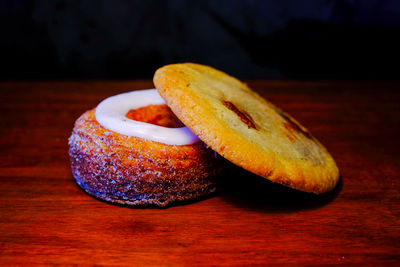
(46, 219)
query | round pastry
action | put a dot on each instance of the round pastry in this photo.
(245, 128)
(132, 150)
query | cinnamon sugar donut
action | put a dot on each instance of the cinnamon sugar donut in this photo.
(126, 169)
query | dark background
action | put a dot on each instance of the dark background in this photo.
(281, 39)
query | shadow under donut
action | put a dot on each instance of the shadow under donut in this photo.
(252, 192)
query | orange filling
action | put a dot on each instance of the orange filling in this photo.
(160, 115)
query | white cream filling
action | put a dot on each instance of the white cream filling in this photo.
(110, 113)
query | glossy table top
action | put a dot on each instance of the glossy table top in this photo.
(46, 219)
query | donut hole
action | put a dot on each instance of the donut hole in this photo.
(160, 115)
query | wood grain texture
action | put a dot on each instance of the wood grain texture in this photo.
(46, 219)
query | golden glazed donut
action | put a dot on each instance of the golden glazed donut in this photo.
(134, 170)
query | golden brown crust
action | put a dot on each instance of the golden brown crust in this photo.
(134, 171)
(245, 128)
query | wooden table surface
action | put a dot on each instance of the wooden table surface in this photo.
(46, 219)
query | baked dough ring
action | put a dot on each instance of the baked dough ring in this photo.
(134, 171)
